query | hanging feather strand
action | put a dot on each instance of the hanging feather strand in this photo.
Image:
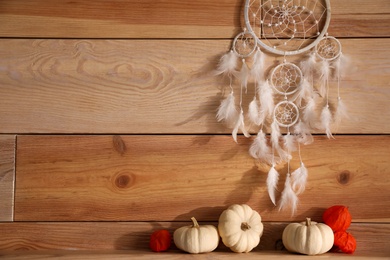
(243, 75)
(254, 114)
(240, 126)
(299, 179)
(227, 111)
(272, 182)
(227, 64)
(324, 71)
(288, 198)
(257, 71)
(259, 148)
(326, 119)
(266, 98)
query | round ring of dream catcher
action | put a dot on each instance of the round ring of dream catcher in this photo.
(287, 27)
(244, 44)
(328, 48)
(286, 113)
(286, 78)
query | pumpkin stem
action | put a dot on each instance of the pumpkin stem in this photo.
(308, 222)
(245, 226)
(194, 222)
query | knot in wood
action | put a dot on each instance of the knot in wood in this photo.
(123, 181)
(344, 177)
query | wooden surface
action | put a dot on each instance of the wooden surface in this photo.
(167, 19)
(130, 178)
(139, 254)
(7, 177)
(112, 106)
(105, 86)
(370, 238)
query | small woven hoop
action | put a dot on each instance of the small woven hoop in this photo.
(334, 42)
(297, 72)
(248, 50)
(283, 105)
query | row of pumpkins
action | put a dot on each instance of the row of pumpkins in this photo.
(240, 228)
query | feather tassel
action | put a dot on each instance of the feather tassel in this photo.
(288, 199)
(272, 182)
(308, 64)
(324, 71)
(266, 98)
(257, 70)
(243, 75)
(341, 65)
(302, 133)
(227, 64)
(299, 179)
(305, 92)
(341, 111)
(309, 114)
(227, 110)
(275, 134)
(326, 119)
(259, 148)
(289, 143)
(254, 114)
(240, 126)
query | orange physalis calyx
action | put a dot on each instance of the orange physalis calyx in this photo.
(337, 217)
(160, 240)
(345, 242)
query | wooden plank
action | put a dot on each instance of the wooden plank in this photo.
(7, 177)
(370, 238)
(138, 254)
(147, 86)
(166, 19)
(165, 178)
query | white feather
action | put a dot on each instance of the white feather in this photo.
(326, 119)
(324, 72)
(341, 65)
(272, 182)
(275, 134)
(341, 111)
(257, 70)
(259, 148)
(254, 112)
(227, 110)
(299, 179)
(308, 65)
(240, 126)
(289, 143)
(243, 75)
(227, 64)
(305, 92)
(302, 133)
(288, 199)
(309, 113)
(266, 98)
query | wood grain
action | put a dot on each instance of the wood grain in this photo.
(139, 254)
(7, 177)
(165, 178)
(371, 238)
(154, 86)
(166, 19)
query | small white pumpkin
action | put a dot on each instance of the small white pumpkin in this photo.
(196, 238)
(240, 228)
(309, 237)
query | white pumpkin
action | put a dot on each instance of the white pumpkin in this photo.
(196, 238)
(309, 237)
(240, 228)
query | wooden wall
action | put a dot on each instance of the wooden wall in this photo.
(108, 129)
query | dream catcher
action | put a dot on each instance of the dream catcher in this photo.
(293, 99)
